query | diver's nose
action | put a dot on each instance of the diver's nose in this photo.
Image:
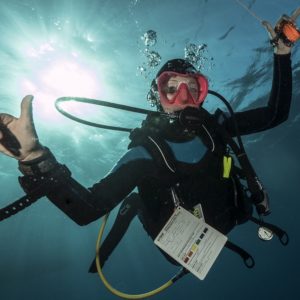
(183, 93)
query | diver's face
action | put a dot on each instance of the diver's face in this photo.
(179, 93)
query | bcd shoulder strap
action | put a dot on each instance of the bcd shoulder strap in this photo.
(158, 148)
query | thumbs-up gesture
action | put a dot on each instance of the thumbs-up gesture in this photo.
(18, 137)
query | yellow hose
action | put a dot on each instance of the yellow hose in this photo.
(105, 282)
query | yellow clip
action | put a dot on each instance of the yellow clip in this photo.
(194, 247)
(227, 161)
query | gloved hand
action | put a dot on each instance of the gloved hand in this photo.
(18, 137)
(281, 47)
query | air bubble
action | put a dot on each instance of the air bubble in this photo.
(154, 58)
(193, 52)
(149, 38)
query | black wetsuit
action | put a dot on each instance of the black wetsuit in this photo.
(86, 205)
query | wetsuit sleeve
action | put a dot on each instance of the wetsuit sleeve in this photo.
(278, 106)
(84, 205)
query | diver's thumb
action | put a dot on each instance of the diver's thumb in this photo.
(269, 28)
(26, 109)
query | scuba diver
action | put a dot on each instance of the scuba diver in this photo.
(177, 157)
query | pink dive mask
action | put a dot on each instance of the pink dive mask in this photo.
(182, 92)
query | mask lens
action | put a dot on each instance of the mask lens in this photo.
(173, 87)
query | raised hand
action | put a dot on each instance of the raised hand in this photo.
(18, 137)
(281, 47)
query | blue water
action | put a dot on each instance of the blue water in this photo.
(94, 49)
